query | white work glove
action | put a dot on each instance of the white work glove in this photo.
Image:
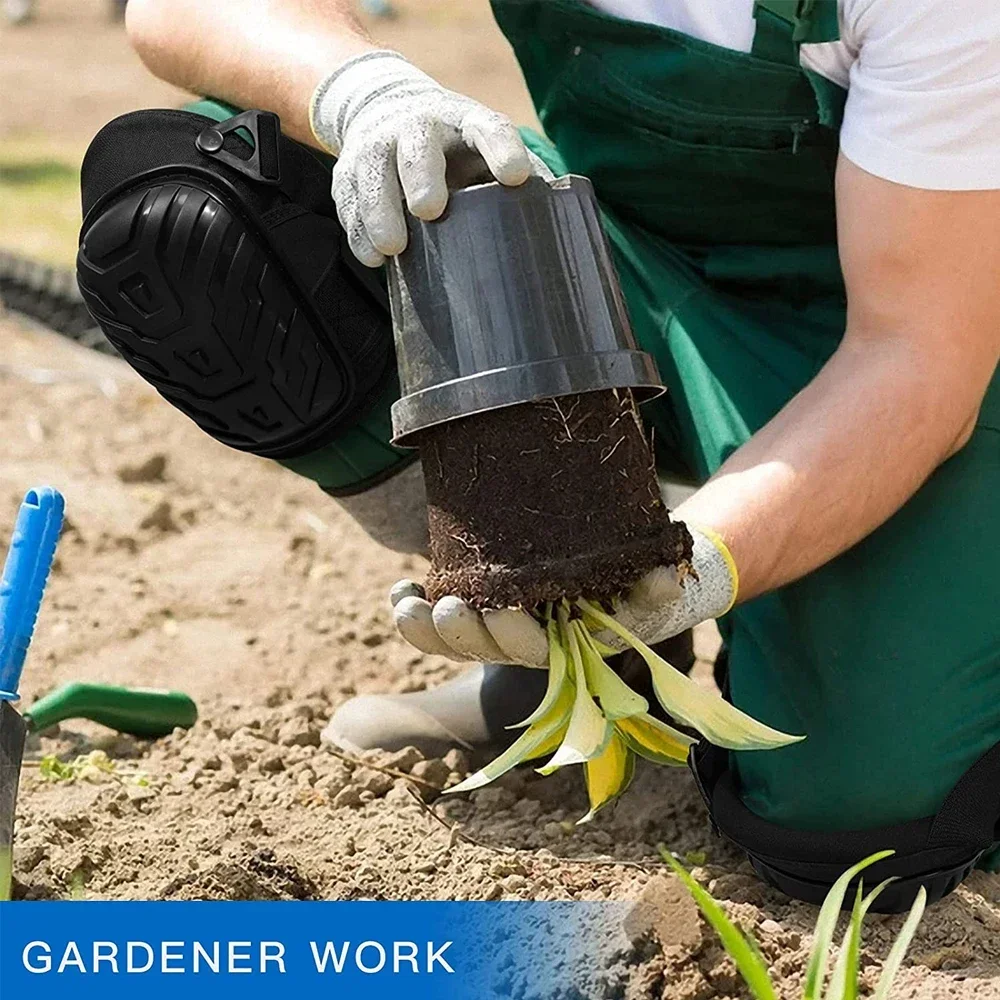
(395, 130)
(664, 603)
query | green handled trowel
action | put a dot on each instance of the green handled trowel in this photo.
(142, 713)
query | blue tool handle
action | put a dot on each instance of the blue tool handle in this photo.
(25, 574)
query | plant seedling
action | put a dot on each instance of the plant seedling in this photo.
(843, 983)
(590, 716)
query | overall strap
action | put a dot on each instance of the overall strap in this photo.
(774, 38)
(784, 25)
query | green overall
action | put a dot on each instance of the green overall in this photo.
(715, 171)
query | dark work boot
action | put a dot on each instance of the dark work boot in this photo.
(473, 710)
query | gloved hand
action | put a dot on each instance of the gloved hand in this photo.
(395, 130)
(664, 603)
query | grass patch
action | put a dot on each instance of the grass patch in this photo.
(40, 199)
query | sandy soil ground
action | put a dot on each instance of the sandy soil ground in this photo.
(185, 565)
(71, 70)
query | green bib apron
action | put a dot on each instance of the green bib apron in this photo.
(715, 171)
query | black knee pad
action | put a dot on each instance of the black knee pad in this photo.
(935, 852)
(211, 257)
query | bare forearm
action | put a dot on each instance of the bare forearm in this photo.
(267, 54)
(899, 396)
(834, 464)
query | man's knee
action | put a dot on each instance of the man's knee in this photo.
(936, 850)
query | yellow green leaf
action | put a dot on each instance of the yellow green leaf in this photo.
(608, 775)
(898, 950)
(526, 746)
(743, 952)
(826, 923)
(588, 732)
(655, 740)
(844, 981)
(618, 700)
(557, 677)
(602, 648)
(549, 746)
(720, 722)
(6, 872)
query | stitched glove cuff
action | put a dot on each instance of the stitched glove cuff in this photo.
(340, 96)
(669, 600)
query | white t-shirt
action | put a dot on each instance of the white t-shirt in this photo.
(923, 106)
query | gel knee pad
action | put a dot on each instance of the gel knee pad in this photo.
(935, 853)
(212, 259)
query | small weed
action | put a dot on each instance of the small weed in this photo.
(76, 891)
(95, 766)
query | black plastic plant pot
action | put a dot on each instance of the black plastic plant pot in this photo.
(511, 297)
(521, 380)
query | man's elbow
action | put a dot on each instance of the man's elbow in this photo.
(147, 23)
(938, 393)
(945, 422)
(964, 435)
(955, 398)
(935, 405)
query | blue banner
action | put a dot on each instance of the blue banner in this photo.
(466, 951)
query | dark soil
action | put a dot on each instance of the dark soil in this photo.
(545, 500)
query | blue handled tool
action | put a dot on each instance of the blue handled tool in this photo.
(25, 574)
(29, 560)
